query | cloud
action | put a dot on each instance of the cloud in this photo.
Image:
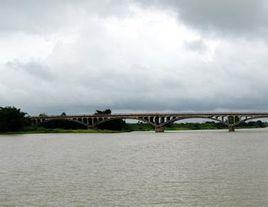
(197, 45)
(45, 17)
(128, 57)
(230, 17)
(37, 70)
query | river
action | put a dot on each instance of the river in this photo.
(186, 168)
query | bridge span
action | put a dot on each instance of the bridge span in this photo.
(158, 120)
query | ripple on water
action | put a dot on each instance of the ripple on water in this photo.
(201, 168)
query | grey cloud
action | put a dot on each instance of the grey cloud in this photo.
(37, 16)
(35, 69)
(112, 64)
(229, 17)
(191, 86)
(197, 45)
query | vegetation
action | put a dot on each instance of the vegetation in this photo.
(140, 126)
(107, 111)
(42, 115)
(195, 126)
(39, 130)
(117, 124)
(12, 119)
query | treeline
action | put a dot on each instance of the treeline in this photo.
(140, 126)
(13, 120)
(215, 125)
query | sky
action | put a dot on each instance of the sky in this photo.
(134, 55)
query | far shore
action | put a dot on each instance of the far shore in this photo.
(58, 131)
(99, 131)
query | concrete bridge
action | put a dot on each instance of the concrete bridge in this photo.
(157, 120)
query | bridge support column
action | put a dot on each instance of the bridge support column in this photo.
(231, 128)
(159, 129)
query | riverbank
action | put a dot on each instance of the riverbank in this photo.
(63, 131)
(100, 131)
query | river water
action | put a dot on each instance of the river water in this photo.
(189, 168)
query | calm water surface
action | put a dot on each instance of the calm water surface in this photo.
(200, 168)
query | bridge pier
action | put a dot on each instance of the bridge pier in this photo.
(159, 129)
(231, 128)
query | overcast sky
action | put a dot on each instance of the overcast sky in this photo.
(144, 55)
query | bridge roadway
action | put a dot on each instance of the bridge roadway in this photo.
(158, 120)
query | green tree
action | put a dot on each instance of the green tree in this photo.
(116, 124)
(12, 119)
(233, 119)
(106, 111)
(42, 115)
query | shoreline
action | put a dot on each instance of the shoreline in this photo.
(60, 131)
(99, 131)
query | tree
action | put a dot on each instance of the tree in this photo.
(116, 124)
(260, 124)
(12, 119)
(63, 114)
(42, 115)
(106, 111)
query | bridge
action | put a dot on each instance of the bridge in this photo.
(158, 120)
